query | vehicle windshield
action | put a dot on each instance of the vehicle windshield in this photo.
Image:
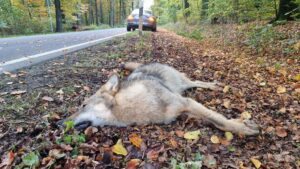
(145, 12)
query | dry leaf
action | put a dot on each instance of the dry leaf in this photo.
(90, 131)
(174, 143)
(118, 148)
(281, 89)
(192, 135)
(133, 163)
(281, 132)
(226, 103)
(215, 139)
(18, 92)
(86, 88)
(226, 89)
(152, 155)
(297, 77)
(135, 140)
(179, 133)
(256, 162)
(228, 136)
(245, 115)
(48, 99)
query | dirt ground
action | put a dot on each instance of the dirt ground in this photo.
(34, 99)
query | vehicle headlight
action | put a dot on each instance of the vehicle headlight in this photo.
(151, 19)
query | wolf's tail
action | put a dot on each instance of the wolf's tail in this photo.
(131, 66)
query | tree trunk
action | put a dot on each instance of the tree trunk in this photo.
(186, 5)
(58, 16)
(235, 16)
(204, 9)
(91, 15)
(111, 14)
(97, 12)
(101, 12)
(286, 9)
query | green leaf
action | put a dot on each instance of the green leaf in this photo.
(198, 157)
(31, 159)
(74, 152)
(231, 148)
(69, 125)
(79, 138)
(67, 139)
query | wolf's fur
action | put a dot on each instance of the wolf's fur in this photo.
(152, 94)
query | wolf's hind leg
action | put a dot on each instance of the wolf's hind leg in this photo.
(234, 125)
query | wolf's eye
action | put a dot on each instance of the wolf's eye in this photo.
(83, 105)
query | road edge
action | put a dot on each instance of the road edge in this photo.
(27, 61)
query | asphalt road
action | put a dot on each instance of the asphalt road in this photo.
(19, 47)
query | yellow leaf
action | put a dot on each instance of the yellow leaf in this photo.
(297, 46)
(281, 89)
(192, 135)
(215, 139)
(297, 77)
(228, 135)
(135, 140)
(226, 89)
(119, 148)
(246, 115)
(256, 162)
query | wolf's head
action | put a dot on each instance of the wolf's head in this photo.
(97, 109)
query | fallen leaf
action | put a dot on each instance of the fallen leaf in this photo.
(90, 131)
(256, 162)
(133, 163)
(174, 143)
(135, 140)
(19, 129)
(241, 165)
(86, 88)
(280, 132)
(82, 158)
(152, 155)
(8, 160)
(281, 89)
(47, 98)
(118, 148)
(18, 92)
(57, 154)
(179, 133)
(226, 89)
(215, 139)
(228, 136)
(192, 135)
(245, 115)
(226, 103)
(210, 161)
(61, 92)
(297, 77)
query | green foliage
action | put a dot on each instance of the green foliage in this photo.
(261, 37)
(31, 160)
(69, 125)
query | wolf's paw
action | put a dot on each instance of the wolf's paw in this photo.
(246, 127)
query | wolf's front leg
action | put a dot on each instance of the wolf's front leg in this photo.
(220, 121)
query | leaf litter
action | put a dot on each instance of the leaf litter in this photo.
(56, 89)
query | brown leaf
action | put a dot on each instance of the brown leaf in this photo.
(47, 98)
(280, 132)
(281, 89)
(18, 92)
(90, 131)
(133, 164)
(173, 143)
(179, 133)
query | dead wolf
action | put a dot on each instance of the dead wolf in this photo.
(152, 94)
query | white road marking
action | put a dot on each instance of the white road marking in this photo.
(65, 50)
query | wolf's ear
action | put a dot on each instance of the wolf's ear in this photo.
(112, 85)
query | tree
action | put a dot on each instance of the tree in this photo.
(112, 13)
(58, 15)
(204, 9)
(288, 10)
(97, 13)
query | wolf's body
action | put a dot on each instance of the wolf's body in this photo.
(152, 94)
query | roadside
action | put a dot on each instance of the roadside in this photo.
(33, 99)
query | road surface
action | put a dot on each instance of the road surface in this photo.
(17, 47)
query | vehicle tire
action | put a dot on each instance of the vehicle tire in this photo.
(154, 29)
(128, 29)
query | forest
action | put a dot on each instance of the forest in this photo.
(42, 16)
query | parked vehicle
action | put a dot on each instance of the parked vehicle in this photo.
(149, 20)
